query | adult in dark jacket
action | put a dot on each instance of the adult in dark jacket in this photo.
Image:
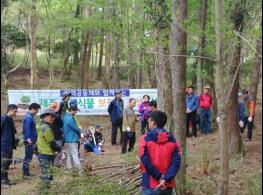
(8, 143)
(115, 110)
(30, 137)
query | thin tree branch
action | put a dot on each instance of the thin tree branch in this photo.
(252, 47)
(187, 56)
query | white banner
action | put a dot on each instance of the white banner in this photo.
(90, 101)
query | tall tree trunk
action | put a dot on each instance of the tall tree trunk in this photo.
(81, 78)
(142, 50)
(116, 61)
(108, 49)
(162, 69)
(81, 74)
(116, 47)
(236, 143)
(130, 55)
(152, 75)
(32, 35)
(178, 69)
(221, 106)
(87, 62)
(108, 44)
(76, 45)
(257, 70)
(100, 58)
(200, 61)
(96, 55)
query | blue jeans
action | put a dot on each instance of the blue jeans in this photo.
(28, 157)
(149, 191)
(205, 120)
(46, 163)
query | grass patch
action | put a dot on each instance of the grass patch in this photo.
(253, 183)
(88, 186)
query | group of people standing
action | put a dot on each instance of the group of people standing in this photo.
(57, 128)
(159, 151)
(198, 110)
(125, 119)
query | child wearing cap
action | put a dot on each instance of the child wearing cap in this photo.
(89, 143)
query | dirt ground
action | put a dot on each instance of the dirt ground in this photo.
(199, 151)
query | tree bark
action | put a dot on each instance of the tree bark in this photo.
(257, 70)
(81, 76)
(200, 61)
(85, 54)
(116, 47)
(178, 72)
(236, 143)
(142, 50)
(162, 69)
(100, 59)
(32, 35)
(108, 49)
(87, 61)
(223, 134)
(108, 44)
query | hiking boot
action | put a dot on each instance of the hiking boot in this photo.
(8, 182)
(247, 140)
(4, 185)
(27, 177)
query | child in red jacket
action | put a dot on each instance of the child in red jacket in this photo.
(160, 156)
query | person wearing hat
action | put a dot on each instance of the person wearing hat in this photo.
(205, 104)
(248, 114)
(71, 136)
(61, 107)
(115, 110)
(46, 147)
(90, 143)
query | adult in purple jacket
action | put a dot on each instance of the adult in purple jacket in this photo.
(145, 110)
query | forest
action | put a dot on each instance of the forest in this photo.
(166, 45)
